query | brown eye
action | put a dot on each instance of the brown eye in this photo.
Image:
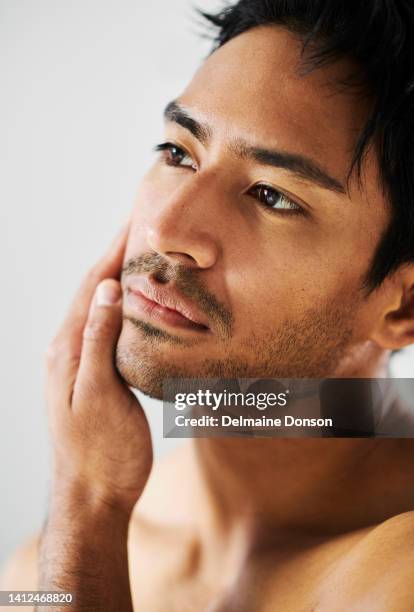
(273, 199)
(176, 156)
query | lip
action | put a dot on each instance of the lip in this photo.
(163, 304)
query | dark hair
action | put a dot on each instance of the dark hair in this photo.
(379, 35)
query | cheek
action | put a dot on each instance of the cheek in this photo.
(268, 283)
(283, 277)
(144, 206)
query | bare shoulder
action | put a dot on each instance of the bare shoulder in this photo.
(395, 538)
(20, 571)
(391, 540)
(378, 572)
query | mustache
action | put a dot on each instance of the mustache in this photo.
(187, 282)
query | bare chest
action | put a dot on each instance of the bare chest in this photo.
(316, 580)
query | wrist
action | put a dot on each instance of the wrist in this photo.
(84, 549)
(75, 497)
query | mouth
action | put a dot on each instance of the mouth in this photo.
(162, 305)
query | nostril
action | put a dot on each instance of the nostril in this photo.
(181, 257)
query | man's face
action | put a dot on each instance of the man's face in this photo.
(247, 227)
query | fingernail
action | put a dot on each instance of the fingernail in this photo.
(107, 294)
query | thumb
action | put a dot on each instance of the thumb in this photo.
(101, 332)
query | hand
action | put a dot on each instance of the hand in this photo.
(101, 439)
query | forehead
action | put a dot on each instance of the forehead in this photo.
(252, 88)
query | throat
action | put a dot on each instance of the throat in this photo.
(318, 487)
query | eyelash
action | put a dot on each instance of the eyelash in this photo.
(259, 191)
(168, 147)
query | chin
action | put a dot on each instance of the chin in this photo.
(146, 356)
(145, 359)
(141, 374)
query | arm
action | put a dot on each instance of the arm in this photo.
(101, 447)
(84, 550)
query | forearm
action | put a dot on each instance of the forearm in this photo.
(84, 551)
(102, 450)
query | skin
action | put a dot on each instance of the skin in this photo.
(320, 323)
(274, 524)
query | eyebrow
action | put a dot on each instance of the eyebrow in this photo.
(177, 114)
(300, 165)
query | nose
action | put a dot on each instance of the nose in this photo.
(182, 226)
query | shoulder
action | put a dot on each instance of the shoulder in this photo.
(378, 572)
(391, 544)
(20, 571)
(391, 541)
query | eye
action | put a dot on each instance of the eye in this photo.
(174, 155)
(273, 199)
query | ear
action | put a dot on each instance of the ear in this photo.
(396, 325)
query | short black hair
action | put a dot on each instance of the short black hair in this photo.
(379, 36)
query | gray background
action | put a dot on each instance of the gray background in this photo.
(83, 85)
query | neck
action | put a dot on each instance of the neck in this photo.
(319, 487)
(254, 491)
(366, 360)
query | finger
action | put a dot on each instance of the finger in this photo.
(97, 368)
(62, 362)
(63, 354)
(108, 267)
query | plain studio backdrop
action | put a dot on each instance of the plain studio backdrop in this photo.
(83, 86)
